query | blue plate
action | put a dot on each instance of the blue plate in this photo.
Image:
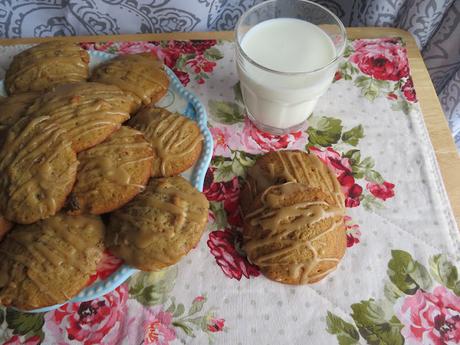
(178, 99)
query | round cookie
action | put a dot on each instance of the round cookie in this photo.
(289, 166)
(5, 226)
(295, 234)
(37, 170)
(46, 65)
(13, 108)
(159, 226)
(142, 75)
(50, 261)
(112, 173)
(177, 141)
(89, 112)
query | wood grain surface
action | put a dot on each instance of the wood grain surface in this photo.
(441, 138)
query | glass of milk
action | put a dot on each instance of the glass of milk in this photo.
(287, 52)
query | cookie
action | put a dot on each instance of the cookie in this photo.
(49, 262)
(142, 75)
(5, 226)
(37, 170)
(159, 226)
(177, 141)
(295, 234)
(112, 173)
(46, 65)
(289, 166)
(89, 112)
(13, 108)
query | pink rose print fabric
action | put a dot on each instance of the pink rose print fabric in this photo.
(256, 141)
(225, 247)
(101, 321)
(431, 318)
(342, 168)
(382, 59)
(158, 327)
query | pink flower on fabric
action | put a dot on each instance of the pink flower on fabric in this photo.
(408, 90)
(342, 168)
(158, 327)
(198, 299)
(216, 325)
(234, 264)
(256, 141)
(15, 340)
(101, 46)
(431, 318)
(352, 231)
(228, 192)
(332, 159)
(105, 267)
(221, 136)
(383, 59)
(136, 47)
(382, 191)
(100, 321)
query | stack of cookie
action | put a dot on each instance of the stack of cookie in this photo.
(293, 210)
(72, 150)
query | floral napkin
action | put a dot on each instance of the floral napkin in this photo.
(398, 282)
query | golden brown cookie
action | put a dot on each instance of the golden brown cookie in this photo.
(295, 234)
(159, 226)
(13, 108)
(5, 226)
(142, 75)
(37, 170)
(284, 166)
(112, 173)
(177, 141)
(46, 65)
(89, 112)
(50, 261)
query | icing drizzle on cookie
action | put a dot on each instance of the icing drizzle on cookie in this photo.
(160, 226)
(45, 65)
(39, 256)
(173, 136)
(89, 112)
(140, 74)
(113, 167)
(37, 170)
(296, 166)
(286, 231)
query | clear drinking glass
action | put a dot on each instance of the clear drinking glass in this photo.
(279, 101)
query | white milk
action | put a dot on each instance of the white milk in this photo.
(285, 45)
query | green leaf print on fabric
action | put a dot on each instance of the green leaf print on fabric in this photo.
(346, 333)
(353, 135)
(236, 165)
(445, 273)
(152, 288)
(324, 131)
(25, 324)
(213, 54)
(408, 275)
(191, 320)
(225, 112)
(220, 218)
(375, 326)
(413, 308)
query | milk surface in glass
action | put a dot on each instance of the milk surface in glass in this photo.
(292, 46)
